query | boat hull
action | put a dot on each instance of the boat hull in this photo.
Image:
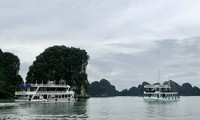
(162, 99)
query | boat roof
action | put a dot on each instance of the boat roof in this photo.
(49, 85)
(24, 85)
(42, 85)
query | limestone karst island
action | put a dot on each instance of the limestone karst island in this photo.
(57, 63)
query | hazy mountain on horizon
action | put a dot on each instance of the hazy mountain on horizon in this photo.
(105, 88)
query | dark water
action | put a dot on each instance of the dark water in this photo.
(112, 108)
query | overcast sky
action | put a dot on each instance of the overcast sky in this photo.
(128, 41)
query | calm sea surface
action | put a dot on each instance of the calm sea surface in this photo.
(111, 108)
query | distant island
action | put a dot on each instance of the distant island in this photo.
(103, 88)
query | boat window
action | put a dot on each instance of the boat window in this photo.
(36, 97)
(56, 96)
(33, 88)
(66, 96)
(61, 89)
(63, 96)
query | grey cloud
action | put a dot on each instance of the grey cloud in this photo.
(176, 57)
(128, 41)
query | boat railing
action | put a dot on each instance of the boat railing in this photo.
(52, 91)
(28, 92)
(157, 92)
(49, 85)
(24, 92)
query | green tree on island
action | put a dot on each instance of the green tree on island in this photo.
(9, 74)
(61, 63)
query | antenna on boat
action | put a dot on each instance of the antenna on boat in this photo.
(169, 77)
(159, 83)
(169, 80)
(159, 76)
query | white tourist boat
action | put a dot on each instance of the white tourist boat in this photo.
(44, 92)
(159, 92)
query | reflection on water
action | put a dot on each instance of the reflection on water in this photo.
(160, 110)
(59, 110)
(186, 109)
(110, 108)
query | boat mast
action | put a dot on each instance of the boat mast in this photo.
(159, 83)
(159, 76)
(169, 81)
(169, 84)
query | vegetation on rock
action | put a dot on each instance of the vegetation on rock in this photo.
(186, 89)
(9, 74)
(61, 63)
(102, 88)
